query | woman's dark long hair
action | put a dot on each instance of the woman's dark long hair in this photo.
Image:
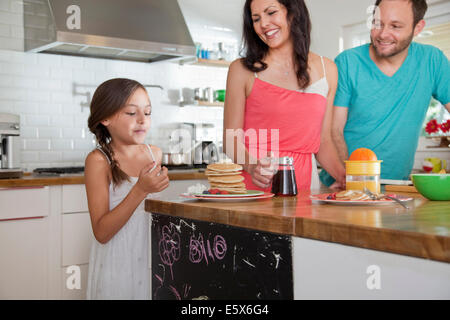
(300, 23)
(108, 99)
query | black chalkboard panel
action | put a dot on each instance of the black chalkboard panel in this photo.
(200, 260)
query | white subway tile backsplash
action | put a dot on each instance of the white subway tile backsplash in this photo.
(62, 144)
(49, 132)
(74, 133)
(82, 76)
(95, 64)
(60, 73)
(37, 145)
(24, 82)
(25, 107)
(45, 59)
(29, 133)
(12, 68)
(46, 90)
(42, 72)
(50, 156)
(50, 108)
(35, 120)
(74, 156)
(29, 156)
(61, 97)
(66, 122)
(83, 144)
(72, 62)
(38, 95)
(13, 93)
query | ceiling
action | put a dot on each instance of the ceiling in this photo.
(214, 15)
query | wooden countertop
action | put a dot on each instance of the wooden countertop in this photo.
(29, 180)
(423, 231)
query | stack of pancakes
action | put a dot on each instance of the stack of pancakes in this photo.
(226, 177)
(352, 195)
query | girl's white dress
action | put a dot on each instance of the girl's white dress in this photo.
(119, 269)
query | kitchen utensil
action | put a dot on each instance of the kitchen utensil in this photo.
(284, 183)
(434, 165)
(376, 197)
(433, 186)
(363, 174)
(219, 95)
(198, 94)
(10, 165)
(208, 94)
(176, 159)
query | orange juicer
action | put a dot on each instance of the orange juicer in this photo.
(363, 171)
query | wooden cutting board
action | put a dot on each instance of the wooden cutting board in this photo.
(397, 188)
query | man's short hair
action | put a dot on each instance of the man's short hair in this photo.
(419, 9)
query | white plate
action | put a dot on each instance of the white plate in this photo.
(250, 193)
(263, 196)
(385, 202)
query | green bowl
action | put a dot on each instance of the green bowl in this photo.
(433, 186)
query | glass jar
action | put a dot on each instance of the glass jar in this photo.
(363, 174)
(284, 182)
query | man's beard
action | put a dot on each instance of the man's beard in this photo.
(400, 47)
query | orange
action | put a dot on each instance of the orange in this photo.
(363, 154)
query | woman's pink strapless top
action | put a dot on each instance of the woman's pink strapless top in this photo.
(294, 118)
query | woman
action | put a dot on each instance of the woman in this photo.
(279, 99)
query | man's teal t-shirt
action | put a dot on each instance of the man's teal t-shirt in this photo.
(385, 114)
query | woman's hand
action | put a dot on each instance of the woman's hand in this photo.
(262, 172)
(153, 180)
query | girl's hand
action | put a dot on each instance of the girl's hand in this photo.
(262, 173)
(152, 181)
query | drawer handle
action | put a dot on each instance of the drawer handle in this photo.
(21, 188)
(25, 218)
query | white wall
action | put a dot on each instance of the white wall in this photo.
(39, 87)
(328, 17)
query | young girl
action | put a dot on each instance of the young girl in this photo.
(119, 175)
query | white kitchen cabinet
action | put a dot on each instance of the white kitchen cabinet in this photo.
(325, 270)
(24, 228)
(18, 203)
(77, 237)
(69, 292)
(23, 259)
(74, 198)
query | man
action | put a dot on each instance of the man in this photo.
(384, 89)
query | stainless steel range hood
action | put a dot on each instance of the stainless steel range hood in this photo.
(136, 30)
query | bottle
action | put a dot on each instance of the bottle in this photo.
(284, 182)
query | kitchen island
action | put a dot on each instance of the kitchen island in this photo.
(284, 248)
